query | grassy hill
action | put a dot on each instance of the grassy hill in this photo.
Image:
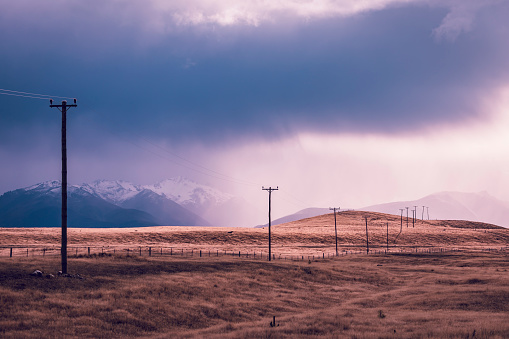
(450, 294)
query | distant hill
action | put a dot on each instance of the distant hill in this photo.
(302, 214)
(480, 207)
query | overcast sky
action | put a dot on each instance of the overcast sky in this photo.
(339, 103)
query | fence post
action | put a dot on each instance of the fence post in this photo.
(44, 252)
(89, 251)
(11, 253)
(200, 253)
(27, 252)
(150, 251)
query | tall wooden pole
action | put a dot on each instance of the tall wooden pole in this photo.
(270, 189)
(64, 187)
(63, 250)
(367, 241)
(387, 237)
(335, 227)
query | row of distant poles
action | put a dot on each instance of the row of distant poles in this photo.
(414, 215)
(414, 219)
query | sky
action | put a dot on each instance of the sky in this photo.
(338, 103)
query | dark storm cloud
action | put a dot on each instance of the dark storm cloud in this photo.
(385, 71)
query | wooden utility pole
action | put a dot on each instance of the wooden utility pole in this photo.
(387, 237)
(401, 227)
(367, 241)
(335, 226)
(270, 189)
(63, 108)
(406, 217)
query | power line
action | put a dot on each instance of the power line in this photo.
(30, 95)
(236, 180)
(25, 96)
(223, 177)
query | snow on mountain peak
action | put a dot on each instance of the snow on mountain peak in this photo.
(47, 186)
(115, 191)
(186, 192)
(179, 189)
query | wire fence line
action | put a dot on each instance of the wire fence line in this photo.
(158, 251)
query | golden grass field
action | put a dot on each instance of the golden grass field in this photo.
(450, 294)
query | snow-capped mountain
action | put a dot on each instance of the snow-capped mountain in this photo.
(213, 206)
(189, 193)
(177, 201)
(115, 191)
(40, 206)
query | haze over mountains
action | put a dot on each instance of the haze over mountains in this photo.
(480, 207)
(182, 202)
(106, 203)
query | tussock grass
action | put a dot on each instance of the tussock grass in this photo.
(419, 296)
(400, 295)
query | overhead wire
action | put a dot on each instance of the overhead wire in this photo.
(30, 95)
(220, 176)
(195, 166)
(246, 182)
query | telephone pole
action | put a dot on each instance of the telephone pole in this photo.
(270, 189)
(415, 216)
(406, 217)
(367, 240)
(422, 216)
(387, 237)
(335, 227)
(401, 227)
(63, 108)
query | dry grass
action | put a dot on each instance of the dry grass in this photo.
(447, 295)
(396, 296)
(312, 236)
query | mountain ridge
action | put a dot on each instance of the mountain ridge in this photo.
(127, 204)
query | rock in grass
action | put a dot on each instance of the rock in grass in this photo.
(36, 273)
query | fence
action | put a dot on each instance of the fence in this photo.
(82, 251)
